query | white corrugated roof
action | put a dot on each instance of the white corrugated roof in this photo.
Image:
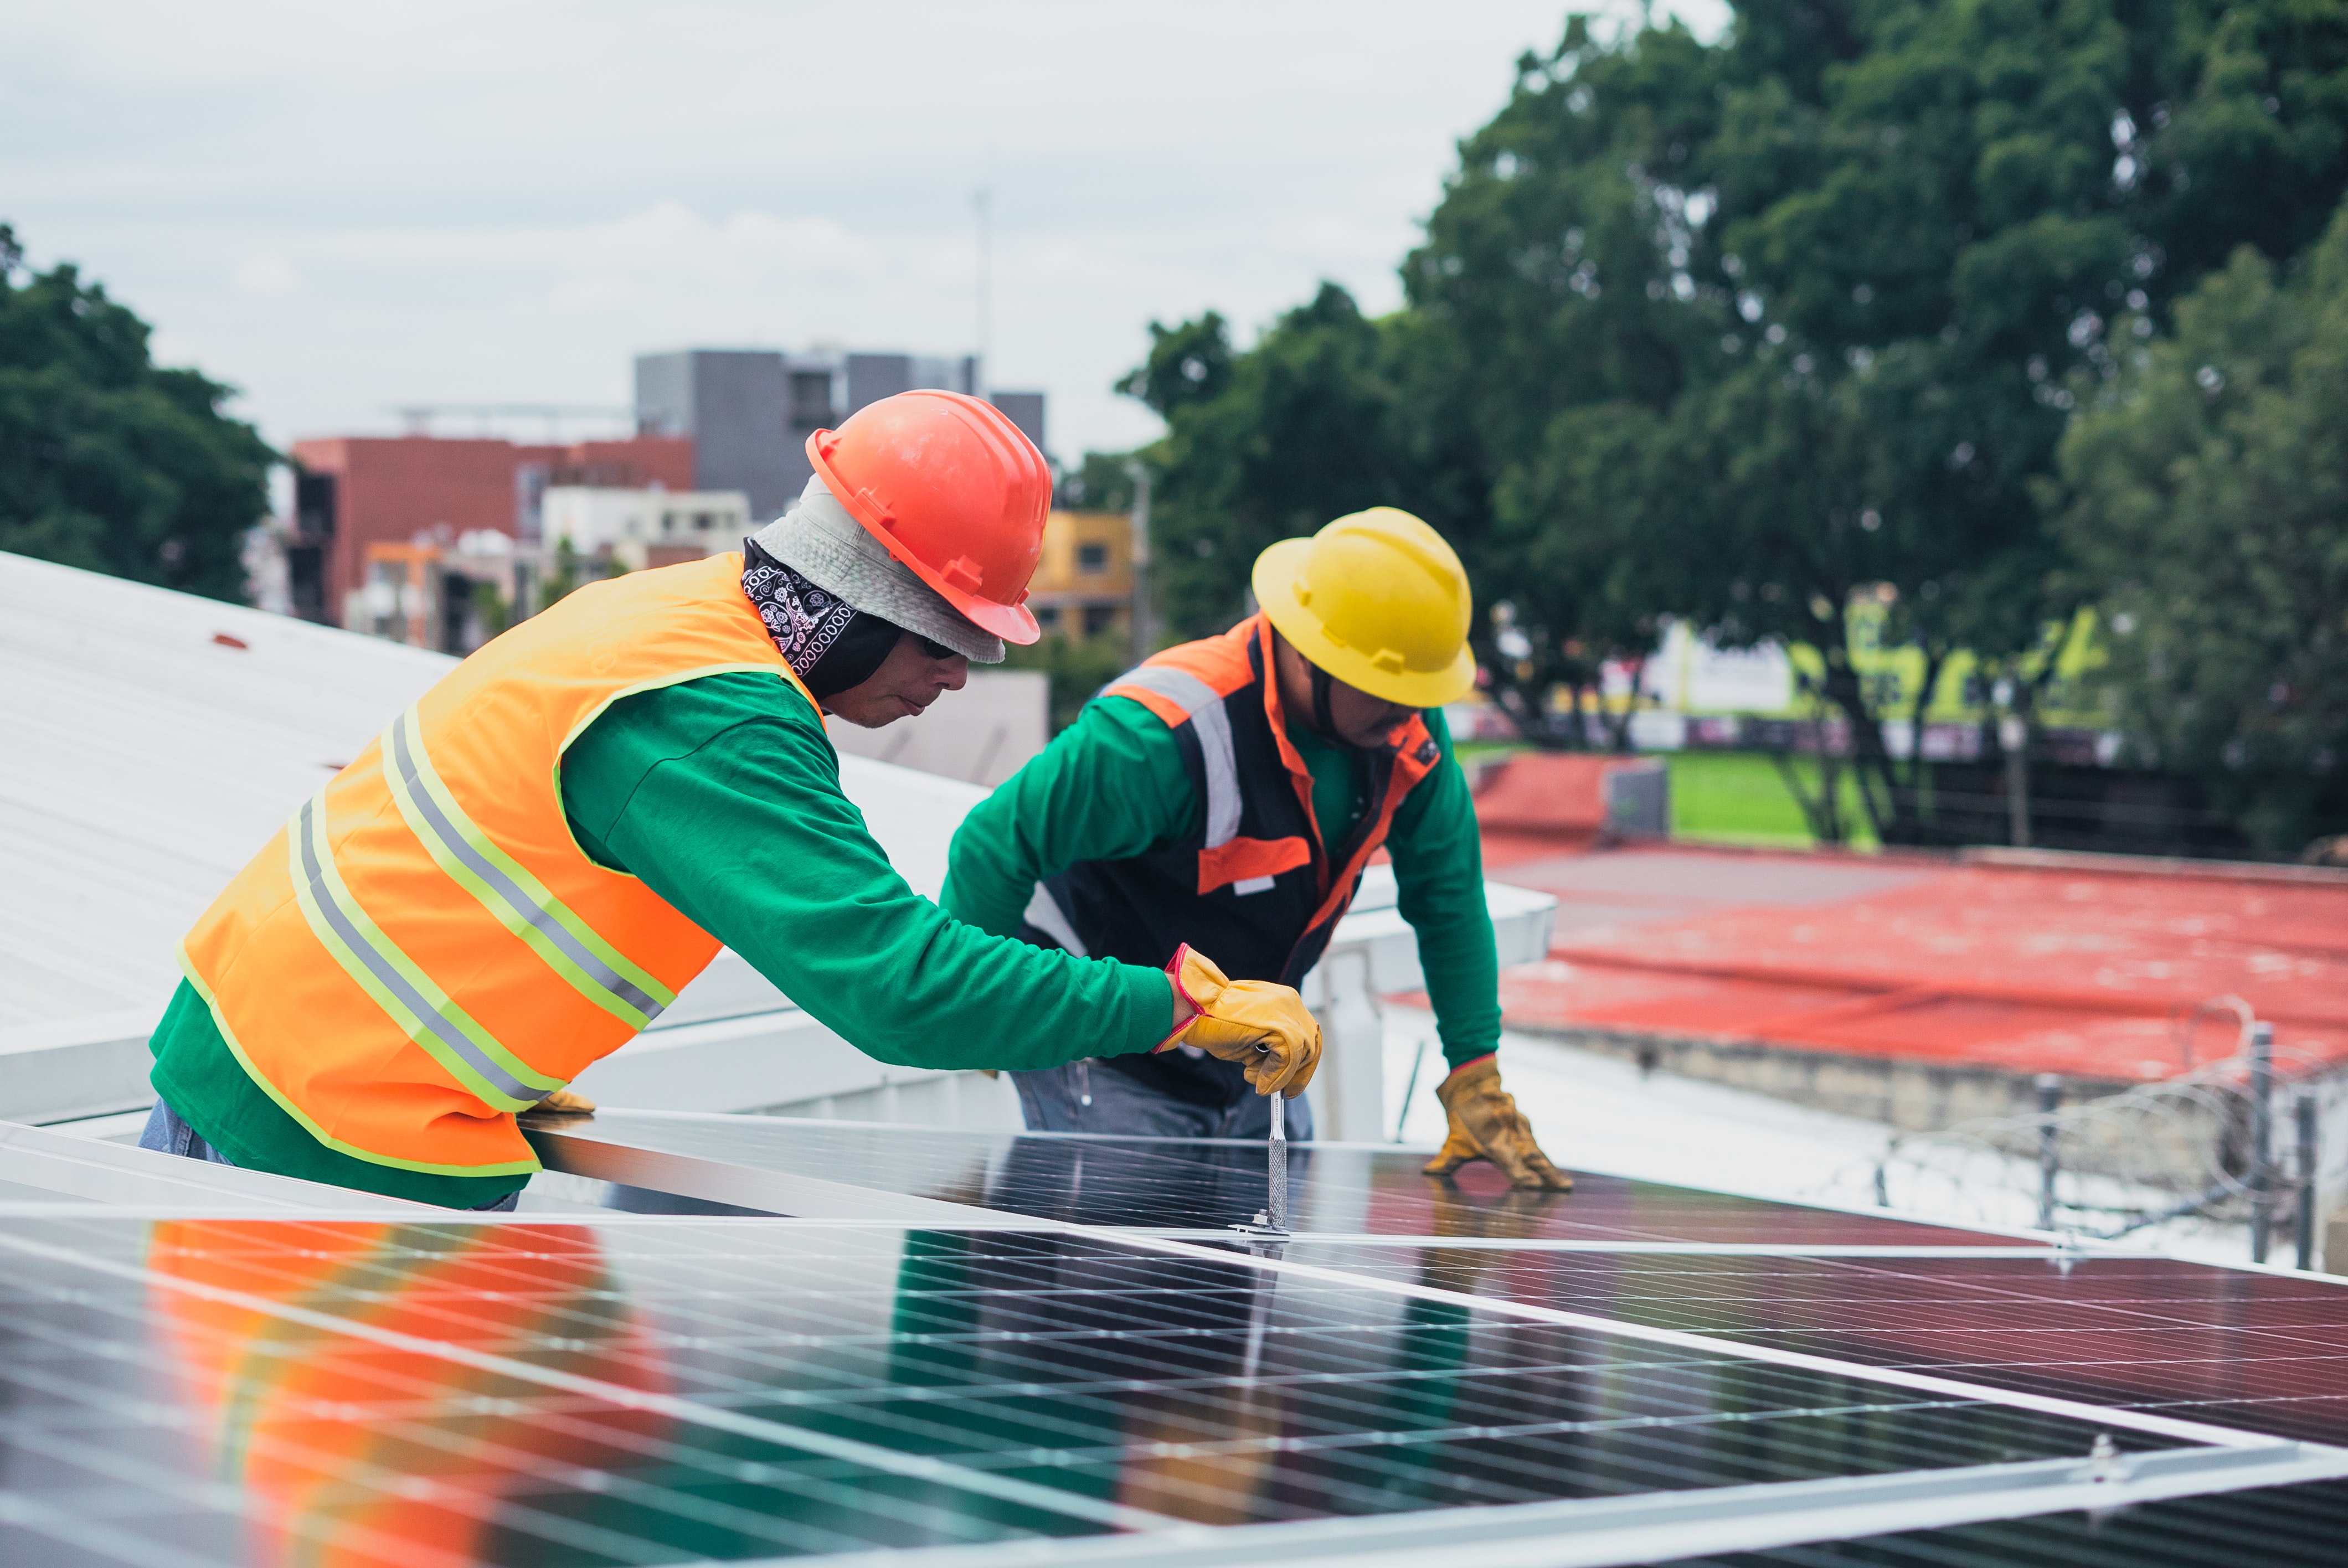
(145, 760)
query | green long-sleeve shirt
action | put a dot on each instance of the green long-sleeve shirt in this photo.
(1112, 785)
(727, 803)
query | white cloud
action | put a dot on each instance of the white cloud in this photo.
(267, 275)
(343, 208)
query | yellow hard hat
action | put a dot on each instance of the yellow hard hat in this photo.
(1379, 602)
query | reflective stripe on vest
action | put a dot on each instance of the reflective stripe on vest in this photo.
(591, 966)
(423, 1010)
(1212, 724)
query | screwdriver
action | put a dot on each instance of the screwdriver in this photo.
(1276, 1174)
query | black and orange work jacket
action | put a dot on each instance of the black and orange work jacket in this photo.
(1254, 884)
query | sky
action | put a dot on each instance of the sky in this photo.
(343, 209)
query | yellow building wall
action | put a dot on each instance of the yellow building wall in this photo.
(1065, 596)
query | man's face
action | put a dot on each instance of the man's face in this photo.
(1361, 719)
(914, 675)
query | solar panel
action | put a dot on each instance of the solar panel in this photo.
(2272, 1527)
(645, 1391)
(2236, 1347)
(1181, 1184)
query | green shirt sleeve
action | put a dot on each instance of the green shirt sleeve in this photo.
(1109, 786)
(1438, 861)
(728, 803)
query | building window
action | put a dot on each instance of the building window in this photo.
(704, 521)
(1098, 617)
(1092, 560)
(1048, 617)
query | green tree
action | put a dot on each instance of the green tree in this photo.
(2206, 491)
(1746, 332)
(107, 461)
(1260, 445)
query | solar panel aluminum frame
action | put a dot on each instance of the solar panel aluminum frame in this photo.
(102, 1173)
(640, 1141)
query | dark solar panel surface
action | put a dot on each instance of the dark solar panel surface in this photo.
(1206, 1185)
(2269, 1527)
(206, 1392)
(2231, 1346)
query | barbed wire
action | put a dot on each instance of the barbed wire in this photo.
(2183, 1149)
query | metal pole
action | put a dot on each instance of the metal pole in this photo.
(1410, 1089)
(2013, 737)
(2050, 1096)
(2262, 1136)
(982, 201)
(2304, 1110)
(1145, 636)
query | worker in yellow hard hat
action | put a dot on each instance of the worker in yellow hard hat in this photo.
(1229, 793)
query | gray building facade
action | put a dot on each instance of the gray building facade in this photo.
(750, 411)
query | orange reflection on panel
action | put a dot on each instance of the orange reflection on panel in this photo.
(354, 1451)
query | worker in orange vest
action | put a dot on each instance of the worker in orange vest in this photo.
(1230, 793)
(534, 860)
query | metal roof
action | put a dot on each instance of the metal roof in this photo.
(155, 741)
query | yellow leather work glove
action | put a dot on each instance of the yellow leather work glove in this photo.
(1263, 1026)
(568, 1102)
(1487, 1126)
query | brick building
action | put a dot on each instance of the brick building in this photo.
(357, 491)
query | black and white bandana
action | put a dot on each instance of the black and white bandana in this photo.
(828, 641)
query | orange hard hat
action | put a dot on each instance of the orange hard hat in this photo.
(954, 490)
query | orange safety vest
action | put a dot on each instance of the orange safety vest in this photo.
(424, 950)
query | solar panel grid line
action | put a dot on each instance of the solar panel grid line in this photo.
(1719, 1346)
(359, 1484)
(2140, 1332)
(1318, 1404)
(1653, 1479)
(424, 1433)
(2191, 1431)
(1062, 1455)
(914, 1467)
(1608, 1532)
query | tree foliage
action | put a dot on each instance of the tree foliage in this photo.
(108, 462)
(2208, 497)
(1738, 331)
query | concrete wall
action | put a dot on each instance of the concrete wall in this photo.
(979, 734)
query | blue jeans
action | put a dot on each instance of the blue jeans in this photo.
(165, 1134)
(1087, 1097)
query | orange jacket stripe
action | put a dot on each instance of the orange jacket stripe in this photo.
(426, 949)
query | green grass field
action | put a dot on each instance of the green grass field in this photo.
(1733, 797)
(1737, 797)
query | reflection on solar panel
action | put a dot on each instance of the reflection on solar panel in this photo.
(1046, 1351)
(2230, 1345)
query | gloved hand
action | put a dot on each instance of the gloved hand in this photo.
(568, 1102)
(1263, 1026)
(1487, 1126)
